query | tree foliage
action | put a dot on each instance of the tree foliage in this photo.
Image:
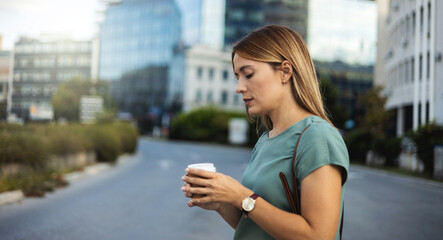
(376, 118)
(373, 131)
(337, 113)
(66, 100)
(425, 138)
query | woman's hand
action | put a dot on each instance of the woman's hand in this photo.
(216, 188)
(215, 206)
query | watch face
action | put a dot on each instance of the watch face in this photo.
(248, 204)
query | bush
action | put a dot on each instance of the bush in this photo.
(359, 142)
(68, 139)
(106, 143)
(425, 138)
(204, 124)
(127, 136)
(389, 147)
(23, 148)
(31, 145)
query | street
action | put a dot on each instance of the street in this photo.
(141, 199)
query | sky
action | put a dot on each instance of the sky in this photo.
(74, 18)
(338, 29)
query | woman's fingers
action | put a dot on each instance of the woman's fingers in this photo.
(200, 201)
(195, 180)
(195, 190)
(200, 173)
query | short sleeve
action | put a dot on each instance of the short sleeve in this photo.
(321, 145)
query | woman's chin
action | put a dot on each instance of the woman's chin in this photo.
(253, 112)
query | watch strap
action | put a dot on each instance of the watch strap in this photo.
(254, 197)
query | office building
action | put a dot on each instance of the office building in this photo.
(5, 65)
(40, 66)
(246, 15)
(409, 61)
(351, 81)
(136, 34)
(137, 42)
(203, 22)
(343, 30)
(201, 77)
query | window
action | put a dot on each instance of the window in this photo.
(225, 75)
(420, 65)
(421, 20)
(413, 24)
(211, 73)
(407, 27)
(209, 97)
(17, 76)
(429, 20)
(224, 97)
(198, 96)
(406, 71)
(427, 65)
(412, 69)
(199, 72)
(236, 98)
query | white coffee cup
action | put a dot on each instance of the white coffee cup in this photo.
(204, 166)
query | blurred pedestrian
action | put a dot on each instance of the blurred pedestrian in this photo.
(277, 79)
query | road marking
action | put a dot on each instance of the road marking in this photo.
(165, 164)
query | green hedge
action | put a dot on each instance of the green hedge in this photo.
(31, 145)
(207, 124)
(425, 139)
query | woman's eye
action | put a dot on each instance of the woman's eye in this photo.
(249, 76)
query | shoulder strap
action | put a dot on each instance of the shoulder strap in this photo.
(294, 178)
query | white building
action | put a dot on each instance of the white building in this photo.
(5, 63)
(409, 60)
(203, 76)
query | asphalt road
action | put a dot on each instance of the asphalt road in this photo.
(141, 199)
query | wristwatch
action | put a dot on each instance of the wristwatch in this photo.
(248, 203)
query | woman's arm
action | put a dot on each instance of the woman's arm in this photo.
(320, 203)
(230, 214)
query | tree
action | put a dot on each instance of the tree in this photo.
(425, 138)
(338, 113)
(376, 118)
(373, 129)
(66, 100)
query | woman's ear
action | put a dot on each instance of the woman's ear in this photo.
(287, 70)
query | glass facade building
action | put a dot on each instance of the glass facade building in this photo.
(136, 34)
(246, 15)
(138, 39)
(203, 22)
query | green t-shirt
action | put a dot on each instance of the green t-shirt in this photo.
(321, 144)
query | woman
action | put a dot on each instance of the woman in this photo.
(277, 79)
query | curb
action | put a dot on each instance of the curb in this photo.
(11, 197)
(17, 196)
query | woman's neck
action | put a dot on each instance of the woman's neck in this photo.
(285, 117)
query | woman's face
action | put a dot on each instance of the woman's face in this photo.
(261, 86)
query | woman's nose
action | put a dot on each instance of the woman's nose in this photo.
(240, 87)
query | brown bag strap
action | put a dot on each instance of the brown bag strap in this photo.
(294, 199)
(294, 178)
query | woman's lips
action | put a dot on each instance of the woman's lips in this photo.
(248, 101)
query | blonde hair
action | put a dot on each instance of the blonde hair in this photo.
(274, 44)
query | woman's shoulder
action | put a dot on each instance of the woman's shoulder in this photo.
(321, 129)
